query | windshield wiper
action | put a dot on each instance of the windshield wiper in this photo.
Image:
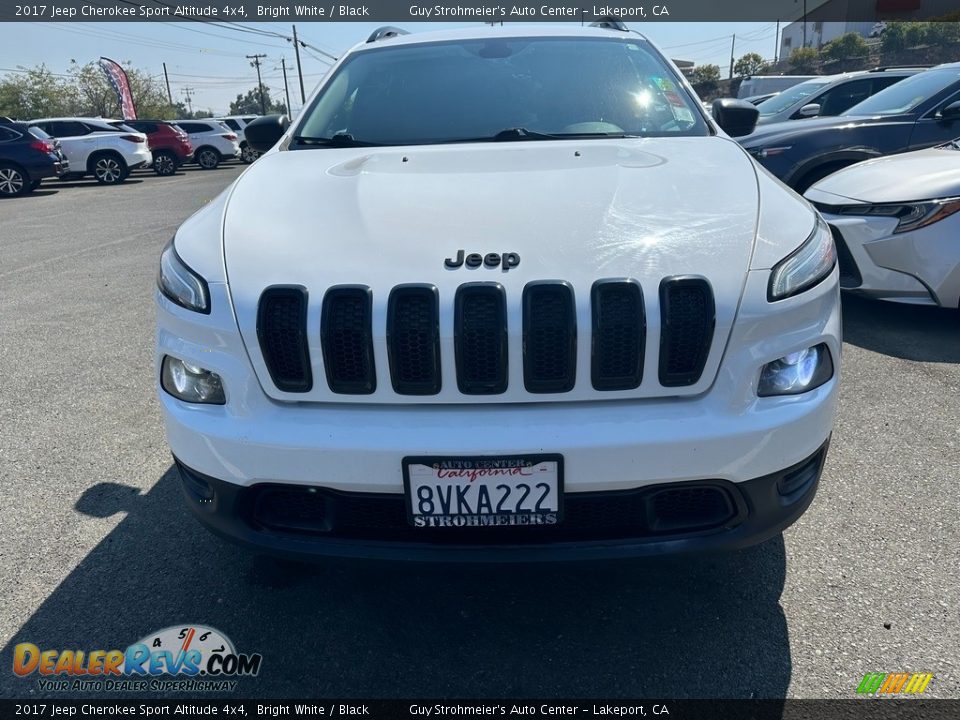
(344, 140)
(522, 133)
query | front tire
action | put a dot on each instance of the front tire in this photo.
(109, 169)
(208, 158)
(164, 163)
(248, 154)
(13, 181)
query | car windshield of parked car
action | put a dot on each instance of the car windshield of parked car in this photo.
(906, 95)
(788, 97)
(38, 133)
(470, 90)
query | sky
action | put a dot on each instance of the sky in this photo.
(208, 62)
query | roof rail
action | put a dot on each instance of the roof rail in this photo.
(387, 31)
(609, 22)
(911, 66)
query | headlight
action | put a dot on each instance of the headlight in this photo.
(911, 215)
(797, 372)
(191, 383)
(806, 266)
(181, 284)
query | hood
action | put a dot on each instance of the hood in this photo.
(776, 131)
(575, 211)
(933, 173)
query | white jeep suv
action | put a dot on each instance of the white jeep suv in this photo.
(95, 147)
(237, 123)
(500, 293)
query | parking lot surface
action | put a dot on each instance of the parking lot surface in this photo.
(97, 551)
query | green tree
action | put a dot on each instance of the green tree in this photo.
(750, 64)
(943, 33)
(846, 47)
(915, 34)
(36, 92)
(249, 104)
(804, 60)
(96, 96)
(705, 79)
(893, 37)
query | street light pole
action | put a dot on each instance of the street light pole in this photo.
(296, 49)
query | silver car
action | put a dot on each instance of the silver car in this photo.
(896, 222)
(829, 95)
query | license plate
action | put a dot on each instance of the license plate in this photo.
(483, 491)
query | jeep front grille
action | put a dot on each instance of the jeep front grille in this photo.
(415, 347)
(347, 338)
(282, 331)
(686, 328)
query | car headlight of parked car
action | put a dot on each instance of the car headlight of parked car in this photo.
(806, 266)
(797, 372)
(181, 284)
(912, 216)
(191, 383)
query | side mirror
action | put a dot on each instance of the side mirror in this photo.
(735, 117)
(950, 112)
(808, 111)
(264, 132)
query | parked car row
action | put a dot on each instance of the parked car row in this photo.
(884, 172)
(108, 150)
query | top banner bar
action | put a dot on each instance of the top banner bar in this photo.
(786, 11)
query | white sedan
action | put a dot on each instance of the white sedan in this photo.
(896, 221)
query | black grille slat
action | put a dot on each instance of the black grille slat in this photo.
(687, 319)
(413, 340)
(619, 329)
(347, 340)
(480, 338)
(549, 337)
(282, 333)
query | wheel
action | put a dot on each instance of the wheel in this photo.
(248, 154)
(208, 158)
(164, 163)
(13, 181)
(818, 174)
(109, 169)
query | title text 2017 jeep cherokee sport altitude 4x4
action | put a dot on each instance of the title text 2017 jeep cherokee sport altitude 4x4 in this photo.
(500, 294)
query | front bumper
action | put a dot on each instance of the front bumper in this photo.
(303, 523)
(920, 267)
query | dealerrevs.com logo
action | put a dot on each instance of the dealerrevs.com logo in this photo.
(182, 657)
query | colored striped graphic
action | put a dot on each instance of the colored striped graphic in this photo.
(894, 683)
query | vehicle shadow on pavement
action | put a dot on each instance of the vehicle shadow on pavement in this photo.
(910, 332)
(90, 182)
(708, 626)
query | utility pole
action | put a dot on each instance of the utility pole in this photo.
(776, 44)
(167, 78)
(732, 46)
(256, 64)
(296, 48)
(187, 93)
(286, 87)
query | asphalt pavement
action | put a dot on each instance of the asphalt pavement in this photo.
(97, 551)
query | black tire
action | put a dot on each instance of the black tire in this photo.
(164, 163)
(207, 158)
(819, 173)
(247, 154)
(108, 168)
(14, 180)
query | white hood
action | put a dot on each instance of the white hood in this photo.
(573, 210)
(922, 175)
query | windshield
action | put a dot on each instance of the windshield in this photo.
(38, 133)
(475, 89)
(906, 95)
(791, 95)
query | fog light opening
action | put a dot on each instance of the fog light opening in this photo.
(797, 372)
(191, 383)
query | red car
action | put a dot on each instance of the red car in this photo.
(170, 146)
